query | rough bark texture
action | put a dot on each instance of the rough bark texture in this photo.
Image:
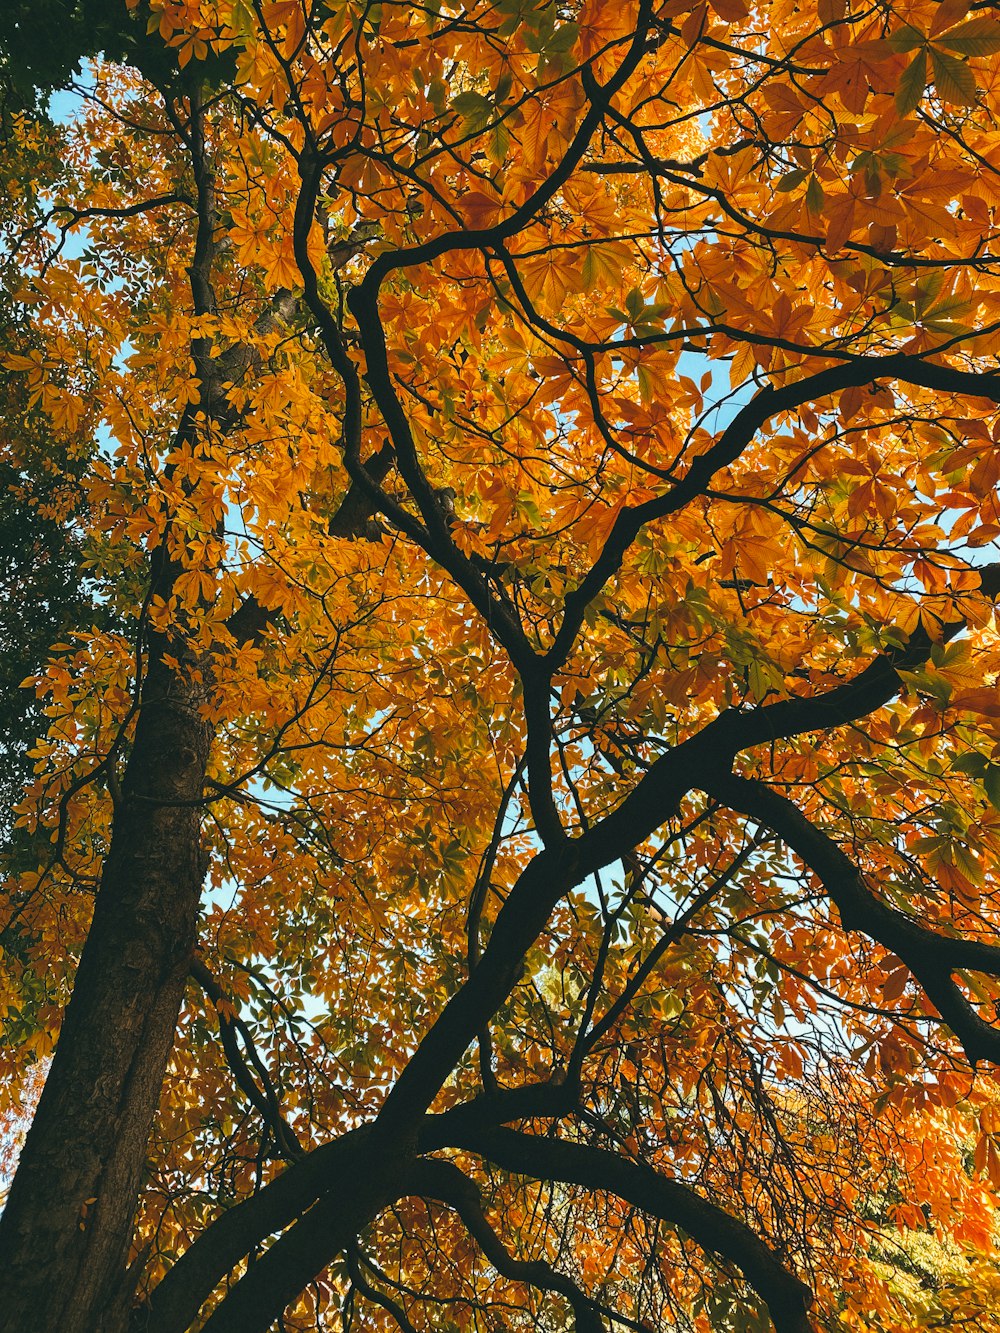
(65, 1232)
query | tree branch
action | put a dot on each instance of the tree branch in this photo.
(931, 957)
(731, 444)
(175, 1301)
(710, 1227)
(435, 1179)
(372, 1294)
(340, 1164)
(263, 1096)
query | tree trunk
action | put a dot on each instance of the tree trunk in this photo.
(65, 1232)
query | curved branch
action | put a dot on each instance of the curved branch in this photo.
(696, 763)
(73, 215)
(435, 1179)
(177, 1298)
(931, 957)
(709, 1226)
(601, 96)
(434, 535)
(263, 1096)
(376, 1297)
(708, 755)
(730, 445)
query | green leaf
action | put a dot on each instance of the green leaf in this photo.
(966, 864)
(971, 763)
(602, 263)
(953, 79)
(815, 199)
(468, 103)
(475, 109)
(528, 506)
(975, 37)
(928, 683)
(991, 782)
(499, 143)
(672, 1006)
(927, 289)
(906, 39)
(563, 39)
(912, 83)
(635, 304)
(790, 181)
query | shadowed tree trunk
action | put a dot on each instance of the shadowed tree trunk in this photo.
(65, 1231)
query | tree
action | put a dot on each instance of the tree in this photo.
(527, 853)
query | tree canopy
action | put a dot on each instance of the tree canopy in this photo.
(513, 838)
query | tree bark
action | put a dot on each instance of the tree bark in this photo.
(66, 1228)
